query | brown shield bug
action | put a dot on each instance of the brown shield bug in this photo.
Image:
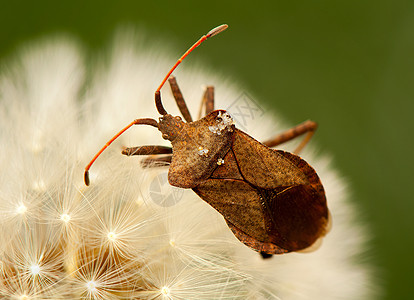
(272, 200)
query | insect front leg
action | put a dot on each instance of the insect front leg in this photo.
(178, 96)
(154, 160)
(308, 127)
(207, 101)
(147, 150)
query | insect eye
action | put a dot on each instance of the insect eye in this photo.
(178, 118)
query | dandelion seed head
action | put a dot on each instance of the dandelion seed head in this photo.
(123, 245)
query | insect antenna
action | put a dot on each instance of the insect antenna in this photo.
(146, 121)
(160, 108)
(211, 33)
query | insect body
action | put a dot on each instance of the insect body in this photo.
(272, 200)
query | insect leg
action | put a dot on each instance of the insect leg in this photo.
(308, 127)
(207, 101)
(153, 160)
(178, 96)
(147, 150)
(209, 95)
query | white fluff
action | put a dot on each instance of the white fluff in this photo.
(61, 240)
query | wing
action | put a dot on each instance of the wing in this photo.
(264, 167)
(290, 188)
(238, 202)
(253, 243)
(274, 202)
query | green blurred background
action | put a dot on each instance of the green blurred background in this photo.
(347, 64)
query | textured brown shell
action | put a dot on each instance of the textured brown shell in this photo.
(272, 200)
(188, 168)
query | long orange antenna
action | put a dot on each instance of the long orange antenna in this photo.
(211, 33)
(146, 121)
(158, 103)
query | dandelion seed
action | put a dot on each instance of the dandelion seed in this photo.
(91, 286)
(140, 200)
(172, 243)
(21, 209)
(165, 291)
(65, 218)
(37, 145)
(35, 269)
(112, 236)
(39, 186)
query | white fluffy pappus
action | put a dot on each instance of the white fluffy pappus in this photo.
(130, 235)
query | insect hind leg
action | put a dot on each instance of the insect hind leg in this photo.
(307, 127)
